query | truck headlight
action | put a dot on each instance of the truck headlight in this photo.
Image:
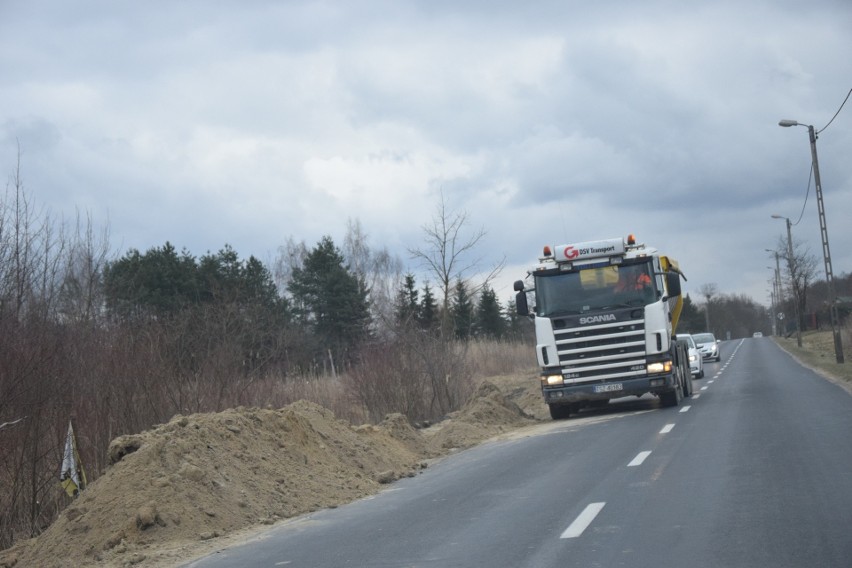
(661, 367)
(551, 380)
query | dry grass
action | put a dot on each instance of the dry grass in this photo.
(817, 351)
(494, 358)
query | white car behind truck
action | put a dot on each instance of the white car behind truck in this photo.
(696, 361)
(708, 346)
(605, 315)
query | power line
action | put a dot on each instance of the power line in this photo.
(836, 113)
(811, 173)
(807, 193)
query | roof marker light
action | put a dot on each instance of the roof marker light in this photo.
(631, 239)
(547, 251)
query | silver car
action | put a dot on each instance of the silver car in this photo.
(708, 346)
(696, 361)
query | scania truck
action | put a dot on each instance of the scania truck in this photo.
(605, 315)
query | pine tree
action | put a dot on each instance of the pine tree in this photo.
(462, 311)
(407, 308)
(159, 282)
(691, 318)
(489, 317)
(428, 313)
(331, 300)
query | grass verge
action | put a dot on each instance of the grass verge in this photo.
(817, 352)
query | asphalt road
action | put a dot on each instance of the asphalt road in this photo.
(754, 470)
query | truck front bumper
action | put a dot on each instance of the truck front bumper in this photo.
(567, 394)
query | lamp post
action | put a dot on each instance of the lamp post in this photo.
(826, 253)
(772, 302)
(777, 285)
(793, 286)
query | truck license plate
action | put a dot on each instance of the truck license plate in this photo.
(609, 388)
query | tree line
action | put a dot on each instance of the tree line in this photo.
(122, 343)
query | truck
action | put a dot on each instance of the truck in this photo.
(605, 315)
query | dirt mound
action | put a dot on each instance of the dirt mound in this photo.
(489, 411)
(176, 491)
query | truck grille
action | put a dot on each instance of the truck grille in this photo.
(596, 353)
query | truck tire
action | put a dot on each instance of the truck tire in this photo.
(560, 411)
(674, 396)
(686, 373)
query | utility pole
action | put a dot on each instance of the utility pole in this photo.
(826, 252)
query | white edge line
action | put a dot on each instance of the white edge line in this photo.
(582, 522)
(667, 428)
(640, 457)
(696, 396)
(685, 409)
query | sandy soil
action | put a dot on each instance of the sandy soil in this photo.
(206, 481)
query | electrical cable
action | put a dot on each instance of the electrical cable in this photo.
(836, 113)
(807, 193)
(811, 173)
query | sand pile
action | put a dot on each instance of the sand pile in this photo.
(185, 487)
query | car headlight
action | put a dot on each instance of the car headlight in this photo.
(692, 358)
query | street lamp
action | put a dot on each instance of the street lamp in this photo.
(777, 285)
(826, 253)
(792, 279)
(772, 302)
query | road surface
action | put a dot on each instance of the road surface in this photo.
(754, 470)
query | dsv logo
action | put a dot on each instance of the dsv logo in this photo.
(571, 252)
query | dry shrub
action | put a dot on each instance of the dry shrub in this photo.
(276, 391)
(489, 358)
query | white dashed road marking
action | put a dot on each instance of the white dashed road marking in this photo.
(582, 522)
(639, 459)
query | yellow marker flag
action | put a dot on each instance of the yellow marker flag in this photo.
(72, 477)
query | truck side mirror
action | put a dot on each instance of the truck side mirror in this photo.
(673, 284)
(519, 285)
(521, 305)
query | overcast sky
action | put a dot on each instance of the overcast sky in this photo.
(206, 123)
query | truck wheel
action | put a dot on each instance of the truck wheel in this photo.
(673, 397)
(687, 381)
(559, 411)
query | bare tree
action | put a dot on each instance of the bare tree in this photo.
(378, 269)
(448, 253)
(291, 255)
(82, 295)
(801, 267)
(708, 291)
(31, 355)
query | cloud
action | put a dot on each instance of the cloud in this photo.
(251, 123)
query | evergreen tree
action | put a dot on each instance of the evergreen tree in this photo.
(462, 311)
(157, 283)
(489, 316)
(691, 318)
(428, 313)
(330, 299)
(407, 308)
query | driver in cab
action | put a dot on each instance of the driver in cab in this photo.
(632, 279)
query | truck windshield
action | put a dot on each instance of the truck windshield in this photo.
(595, 288)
